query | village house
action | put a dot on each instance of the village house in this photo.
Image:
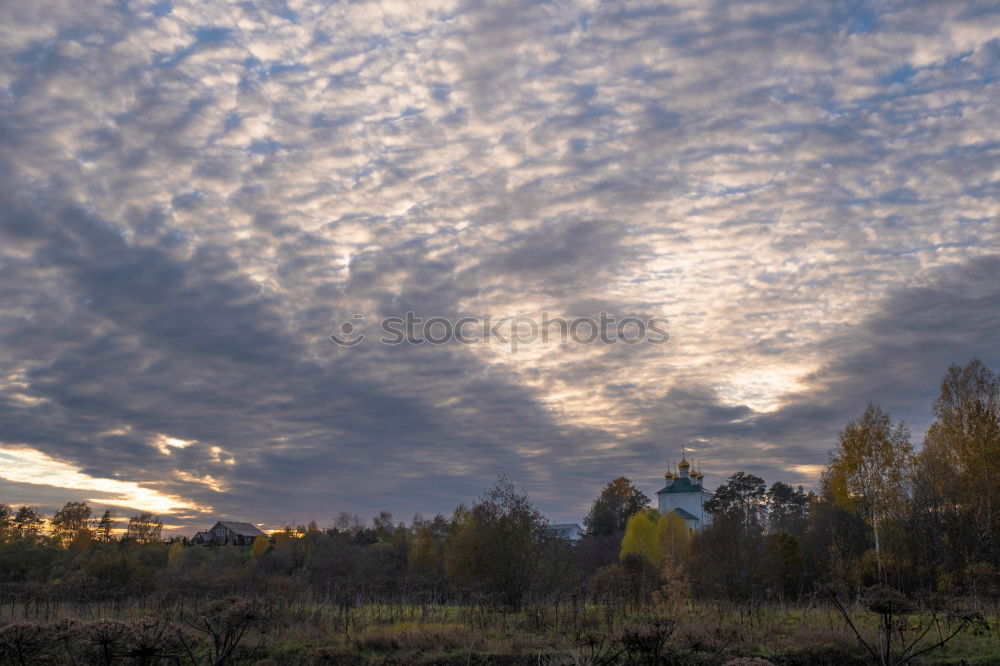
(228, 533)
(569, 531)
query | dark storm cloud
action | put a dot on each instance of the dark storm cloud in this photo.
(188, 348)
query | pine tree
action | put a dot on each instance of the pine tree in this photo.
(105, 526)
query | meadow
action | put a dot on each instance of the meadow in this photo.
(266, 631)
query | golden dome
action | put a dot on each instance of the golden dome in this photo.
(684, 464)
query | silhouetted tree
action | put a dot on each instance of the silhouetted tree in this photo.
(741, 496)
(6, 523)
(105, 526)
(728, 553)
(613, 507)
(71, 521)
(495, 544)
(144, 528)
(382, 525)
(27, 523)
(787, 508)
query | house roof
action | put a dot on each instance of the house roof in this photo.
(565, 530)
(682, 485)
(686, 515)
(242, 529)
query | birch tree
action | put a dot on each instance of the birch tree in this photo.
(871, 469)
(962, 454)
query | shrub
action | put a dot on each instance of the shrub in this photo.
(20, 641)
(336, 655)
(150, 639)
(105, 640)
(646, 641)
(413, 637)
(226, 622)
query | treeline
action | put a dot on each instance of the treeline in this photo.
(921, 522)
(924, 522)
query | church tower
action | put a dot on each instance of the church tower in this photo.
(685, 495)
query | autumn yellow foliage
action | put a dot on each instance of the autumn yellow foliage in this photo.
(654, 536)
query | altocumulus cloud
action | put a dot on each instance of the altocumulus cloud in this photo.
(195, 193)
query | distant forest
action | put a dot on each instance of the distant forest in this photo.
(918, 528)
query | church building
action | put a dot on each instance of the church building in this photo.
(685, 495)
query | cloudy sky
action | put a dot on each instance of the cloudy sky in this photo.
(194, 195)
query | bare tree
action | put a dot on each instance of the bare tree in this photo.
(144, 528)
